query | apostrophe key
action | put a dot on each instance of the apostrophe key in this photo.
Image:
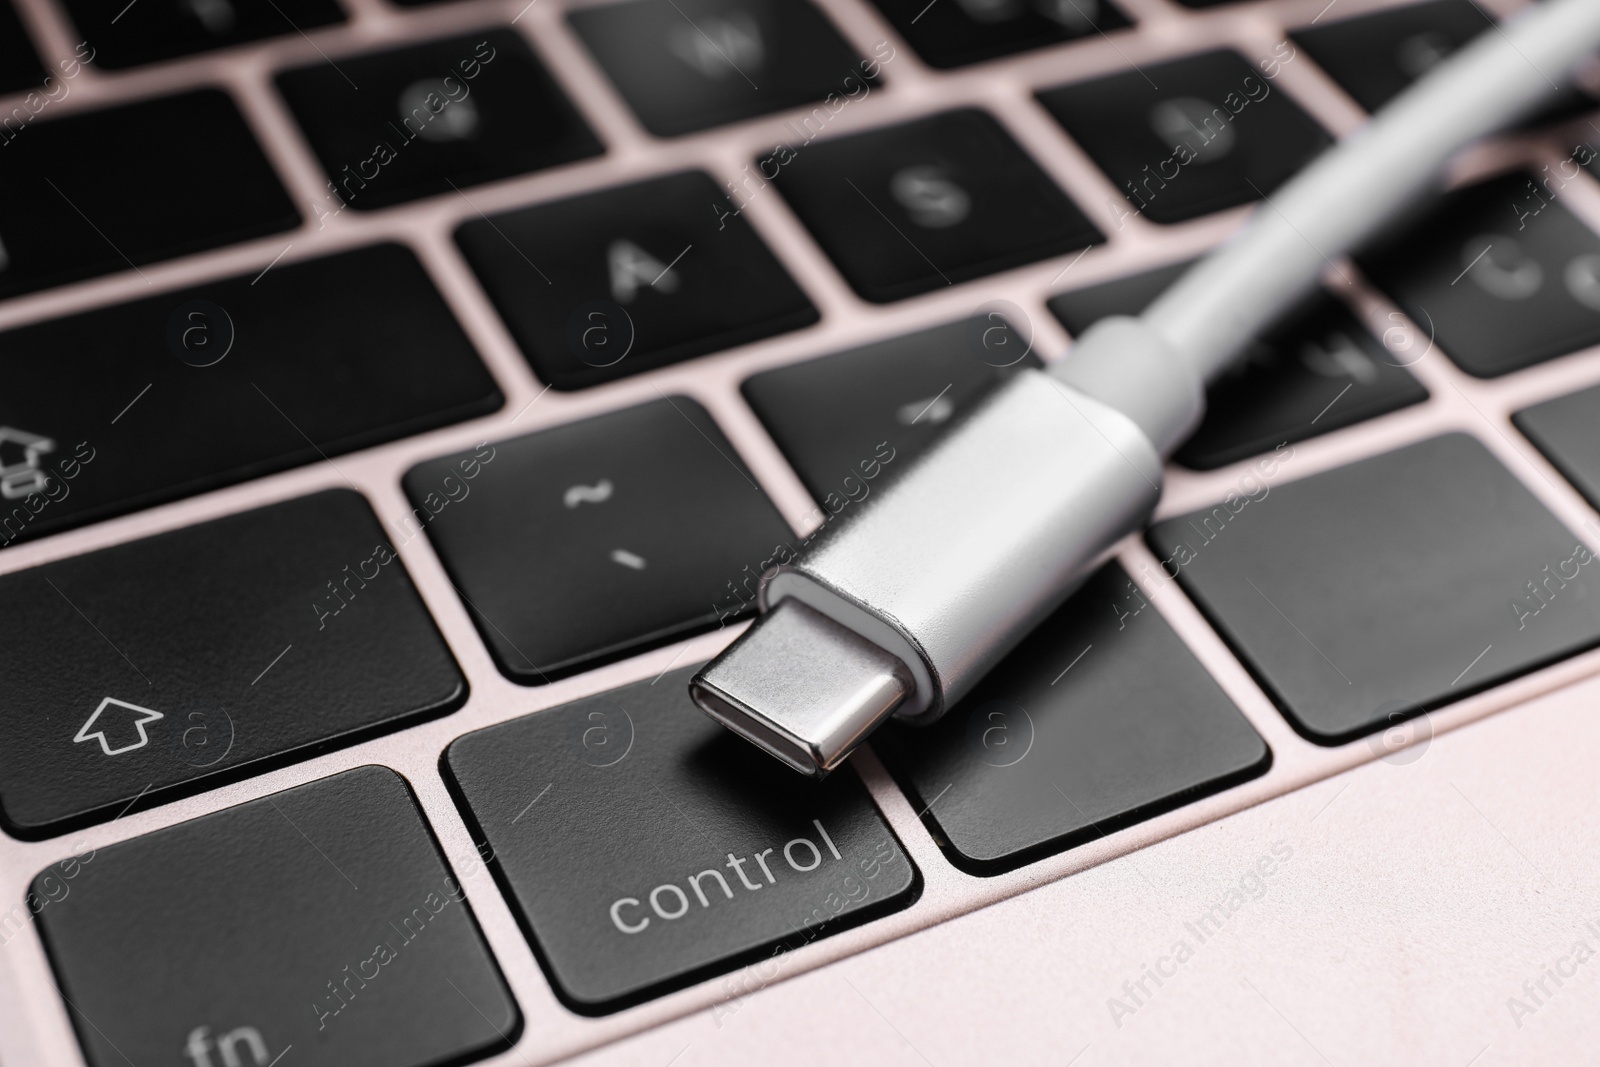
(601, 538)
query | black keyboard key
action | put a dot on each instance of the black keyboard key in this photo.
(953, 33)
(853, 420)
(1387, 587)
(127, 35)
(434, 117)
(911, 208)
(1316, 371)
(165, 665)
(307, 360)
(1217, 133)
(65, 214)
(646, 848)
(602, 538)
(632, 278)
(19, 63)
(1563, 429)
(319, 926)
(1500, 274)
(1100, 719)
(686, 65)
(1377, 56)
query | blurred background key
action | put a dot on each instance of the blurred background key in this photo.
(631, 278)
(1500, 274)
(911, 208)
(392, 126)
(1191, 136)
(127, 34)
(692, 64)
(953, 33)
(1376, 56)
(19, 63)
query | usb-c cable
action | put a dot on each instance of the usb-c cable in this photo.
(900, 610)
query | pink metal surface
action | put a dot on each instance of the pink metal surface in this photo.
(1418, 897)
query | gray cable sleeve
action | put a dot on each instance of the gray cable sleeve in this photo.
(1357, 187)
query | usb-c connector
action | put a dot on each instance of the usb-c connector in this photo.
(802, 687)
(902, 609)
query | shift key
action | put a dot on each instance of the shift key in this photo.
(137, 404)
(162, 666)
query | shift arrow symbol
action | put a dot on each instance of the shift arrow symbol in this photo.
(95, 728)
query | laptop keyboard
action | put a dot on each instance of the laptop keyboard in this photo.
(358, 559)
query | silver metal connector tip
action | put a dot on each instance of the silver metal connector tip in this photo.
(801, 687)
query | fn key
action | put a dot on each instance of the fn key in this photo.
(315, 926)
